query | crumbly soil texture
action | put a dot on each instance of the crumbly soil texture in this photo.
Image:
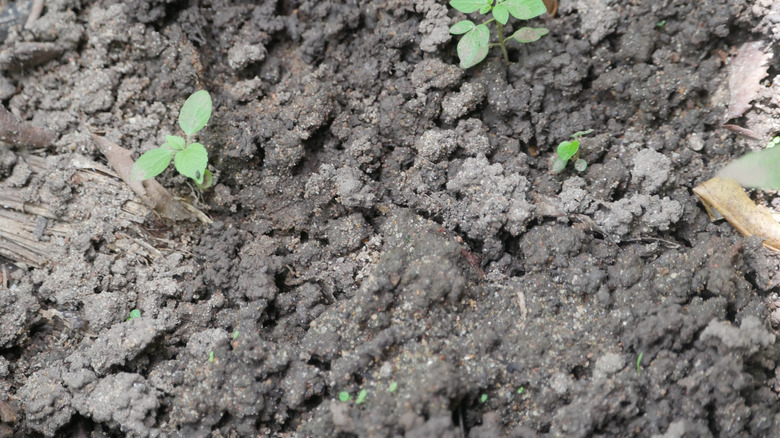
(390, 255)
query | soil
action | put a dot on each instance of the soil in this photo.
(387, 222)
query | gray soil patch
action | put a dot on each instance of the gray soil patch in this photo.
(390, 255)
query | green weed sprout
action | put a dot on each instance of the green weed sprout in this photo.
(135, 313)
(361, 397)
(189, 158)
(570, 150)
(475, 43)
(344, 396)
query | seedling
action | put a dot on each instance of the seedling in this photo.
(570, 150)
(361, 397)
(189, 158)
(135, 313)
(483, 398)
(393, 386)
(639, 363)
(475, 43)
(344, 396)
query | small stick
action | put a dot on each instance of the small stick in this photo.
(35, 13)
(19, 133)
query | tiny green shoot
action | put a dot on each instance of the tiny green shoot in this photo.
(211, 356)
(190, 158)
(344, 396)
(135, 313)
(661, 23)
(639, 363)
(569, 150)
(520, 390)
(483, 398)
(361, 397)
(393, 386)
(235, 335)
(475, 43)
(773, 142)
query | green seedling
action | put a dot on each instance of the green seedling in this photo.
(475, 43)
(520, 390)
(639, 363)
(135, 313)
(773, 142)
(361, 397)
(235, 335)
(570, 150)
(393, 386)
(189, 158)
(483, 398)
(344, 396)
(211, 356)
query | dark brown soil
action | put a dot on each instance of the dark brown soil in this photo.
(386, 222)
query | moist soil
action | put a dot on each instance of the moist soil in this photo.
(386, 227)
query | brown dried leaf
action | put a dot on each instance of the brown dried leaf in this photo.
(746, 71)
(725, 199)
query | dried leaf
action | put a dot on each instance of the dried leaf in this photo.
(725, 198)
(746, 71)
(742, 131)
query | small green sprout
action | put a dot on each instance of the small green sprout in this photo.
(483, 398)
(520, 390)
(639, 362)
(344, 396)
(211, 356)
(393, 386)
(661, 23)
(570, 150)
(475, 43)
(135, 313)
(773, 142)
(235, 335)
(189, 158)
(361, 397)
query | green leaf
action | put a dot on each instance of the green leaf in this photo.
(469, 6)
(344, 396)
(525, 9)
(195, 112)
(191, 162)
(151, 164)
(473, 46)
(558, 165)
(580, 165)
(175, 142)
(529, 34)
(361, 397)
(462, 27)
(485, 9)
(760, 169)
(501, 13)
(208, 180)
(568, 149)
(135, 313)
